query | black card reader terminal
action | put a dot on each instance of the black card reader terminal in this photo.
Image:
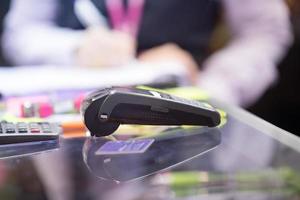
(105, 109)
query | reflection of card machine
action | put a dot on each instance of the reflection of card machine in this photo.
(127, 160)
(104, 110)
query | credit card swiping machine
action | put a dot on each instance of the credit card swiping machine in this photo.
(104, 110)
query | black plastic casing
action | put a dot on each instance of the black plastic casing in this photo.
(105, 110)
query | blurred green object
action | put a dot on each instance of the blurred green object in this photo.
(283, 180)
(193, 93)
(292, 179)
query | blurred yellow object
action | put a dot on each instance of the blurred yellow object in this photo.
(193, 93)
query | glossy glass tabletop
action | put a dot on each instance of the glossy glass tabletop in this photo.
(246, 158)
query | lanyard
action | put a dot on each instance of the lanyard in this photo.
(126, 20)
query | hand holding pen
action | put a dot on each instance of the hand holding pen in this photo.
(111, 41)
(102, 46)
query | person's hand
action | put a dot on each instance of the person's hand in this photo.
(105, 48)
(171, 52)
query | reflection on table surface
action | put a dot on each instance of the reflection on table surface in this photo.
(244, 159)
(27, 149)
(165, 151)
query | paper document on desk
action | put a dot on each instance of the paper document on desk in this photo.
(35, 79)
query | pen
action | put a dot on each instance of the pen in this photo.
(88, 14)
(121, 19)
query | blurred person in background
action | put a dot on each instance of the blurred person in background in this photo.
(49, 32)
(280, 105)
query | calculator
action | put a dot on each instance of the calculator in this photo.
(27, 132)
(105, 109)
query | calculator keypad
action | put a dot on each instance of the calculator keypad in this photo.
(24, 128)
(46, 128)
(10, 128)
(34, 128)
(11, 133)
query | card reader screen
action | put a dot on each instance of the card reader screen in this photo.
(125, 147)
